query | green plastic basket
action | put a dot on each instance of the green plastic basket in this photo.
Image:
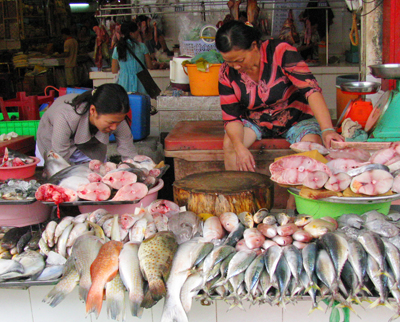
(320, 208)
(19, 127)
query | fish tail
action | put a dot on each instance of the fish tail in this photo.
(134, 303)
(115, 309)
(314, 307)
(94, 300)
(173, 311)
(364, 288)
(54, 297)
(394, 317)
(148, 301)
(376, 303)
(157, 289)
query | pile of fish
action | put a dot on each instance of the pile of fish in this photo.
(15, 189)
(352, 168)
(264, 229)
(13, 158)
(98, 181)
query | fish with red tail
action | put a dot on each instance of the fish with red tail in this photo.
(103, 270)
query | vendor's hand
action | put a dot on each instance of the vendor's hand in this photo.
(245, 160)
(329, 136)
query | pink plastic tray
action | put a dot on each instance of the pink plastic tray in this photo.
(21, 172)
(14, 215)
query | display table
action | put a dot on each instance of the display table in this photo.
(196, 146)
(22, 143)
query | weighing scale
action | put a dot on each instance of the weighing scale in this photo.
(359, 109)
(382, 125)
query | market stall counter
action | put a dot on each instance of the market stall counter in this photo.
(196, 146)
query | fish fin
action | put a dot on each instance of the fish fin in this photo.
(115, 309)
(394, 317)
(148, 300)
(315, 307)
(83, 293)
(54, 297)
(136, 309)
(157, 289)
(375, 303)
(388, 305)
(94, 299)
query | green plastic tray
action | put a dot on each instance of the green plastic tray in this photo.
(320, 208)
(19, 127)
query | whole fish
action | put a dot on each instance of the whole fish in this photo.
(33, 243)
(350, 220)
(183, 261)
(78, 230)
(393, 259)
(164, 207)
(51, 273)
(337, 248)
(53, 163)
(381, 227)
(269, 220)
(312, 291)
(374, 246)
(358, 260)
(65, 286)
(12, 236)
(9, 266)
(372, 215)
(246, 219)
(253, 272)
(54, 258)
(318, 227)
(32, 262)
(394, 216)
(379, 280)
(50, 231)
(132, 277)
(62, 241)
(80, 218)
(260, 215)
(136, 233)
(96, 215)
(239, 263)
(229, 221)
(190, 289)
(23, 241)
(79, 173)
(217, 255)
(184, 225)
(98, 231)
(103, 269)
(203, 251)
(283, 275)
(294, 260)
(44, 248)
(84, 252)
(155, 257)
(64, 223)
(235, 235)
(161, 221)
(326, 272)
(115, 299)
(283, 218)
(273, 254)
(253, 238)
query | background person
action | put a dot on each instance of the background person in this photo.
(124, 62)
(78, 126)
(70, 54)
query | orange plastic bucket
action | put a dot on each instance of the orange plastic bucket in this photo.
(203, 83)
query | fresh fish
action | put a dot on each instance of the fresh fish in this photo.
(302, 236)
(212, 229)
(103, 269)
(372, 215)
(301, 220)
(286, 230)
(128, 220)
(184, 225)
(283, 241)
(326, 272)
(84, 252)
(80, 218)
(183, 261)
(319, 227)
(312, 291)
(374, 166)
(78, 230)
(253, 272)
(246, 219)
(10, 266)
(269, 231)
(235, 235)
(294, 261)
(372, 182)
(132, 277)
(65, 286)
(350, 232)
(50, 231)
(383, 228)
(33, 243)
(23, 241)
(6, 255)
(358, 260)
(190, 289)
(379, 280)
(393, 259)
(239, 263)
(54, 258)
(283, 218)
(309, 146)
(338, 182)
(202, 252)
(164, 207)
(51, 273)
(217, 255)
(260, 215)
(337, 248)
(269, 220)
(229, 221)
(351, 153)
(350, 220)
(44, 248)
(161, 221)
(62, 241)
(374, 246)
(115, 299)
(32, 262)
(273, 254)
(64, 223)
(394, 216)
(283, 277)
(253, 238)
(76, 171)
(151, 229)
(155, 257)
(53, 163)
(12, 236)
(350, 281)
(136, 233)
(97, 214)
(98, 231)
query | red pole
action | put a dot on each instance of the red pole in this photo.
(390, 37)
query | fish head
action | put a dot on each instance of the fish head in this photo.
(302, 220)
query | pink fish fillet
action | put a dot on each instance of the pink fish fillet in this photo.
(349, 153)
(396, 184)
(118, 179)
(344, 165)
(131, 192)
(384, 156)
(309, 146)
(292, 170)
(372, 183)
(94, 191)
(338, 182)
(315, 179)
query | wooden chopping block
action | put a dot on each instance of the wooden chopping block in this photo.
(219, 192)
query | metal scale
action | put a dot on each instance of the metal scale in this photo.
(383, 122)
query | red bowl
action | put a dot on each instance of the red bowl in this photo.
(21, 172)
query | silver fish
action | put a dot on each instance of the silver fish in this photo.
(32, 262)
(368, 167)
(235, 235)
(294, 260)
(273, 254)
(240, 262)
(50, 231)
(203, 251)
(253, 272)
(326, 272)
(394, 216)
(312, 291)
(77, 171)
(374, 246)
(190, 289)
(283, 278)
(309, 255)
(51, 273)
(382, 228)
(10, 265)
(373, 215)
(260, 215)
(393, 259)
(350, 220)
(62, 241)
(269, 220)
(53, 163)
(97, 214)
(379, 280)
(246, 219)
(218, 254)
(64, 223)
(132, 277)
(337, 248)
(184, 225)
(358, 260)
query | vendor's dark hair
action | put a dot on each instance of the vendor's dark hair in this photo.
(236, 35)
(107, 98)
(122, 45)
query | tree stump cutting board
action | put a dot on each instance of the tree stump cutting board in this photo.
(219, 192)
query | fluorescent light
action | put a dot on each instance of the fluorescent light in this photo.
(79, 5)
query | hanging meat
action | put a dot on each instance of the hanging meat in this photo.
(288, 31)
(102, 43)
(233, 6)
(307, 32)
(252, 11)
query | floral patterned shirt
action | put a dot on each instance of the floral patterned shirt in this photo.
(278, 100)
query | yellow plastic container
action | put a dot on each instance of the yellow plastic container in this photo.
(203, 83)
